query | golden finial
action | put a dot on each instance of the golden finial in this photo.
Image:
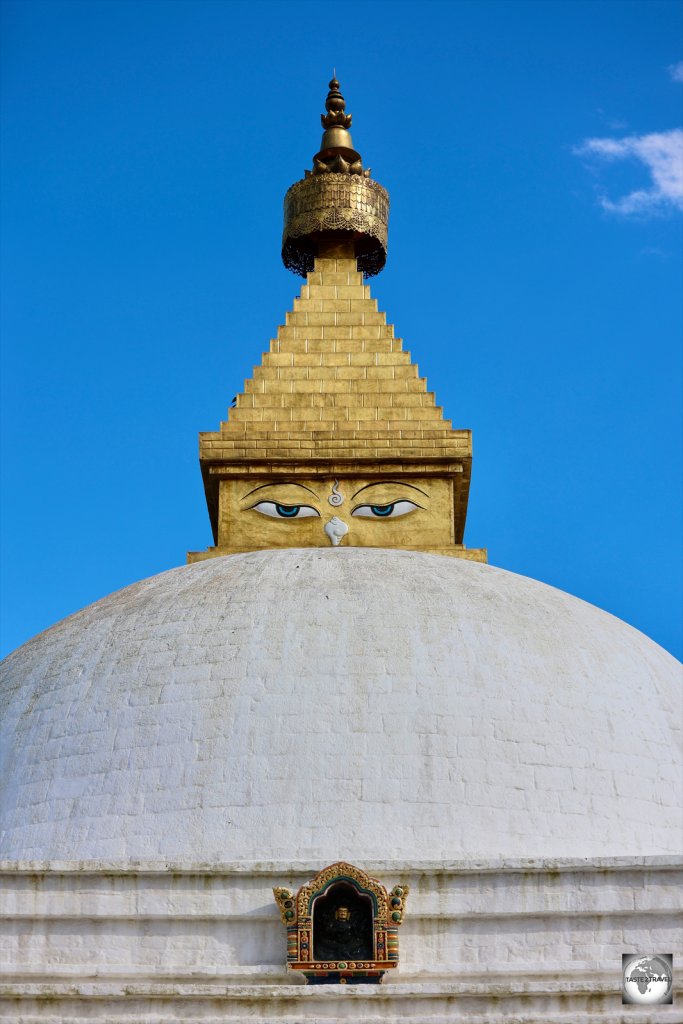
(335, 105)
(336, 149)
(336, 203)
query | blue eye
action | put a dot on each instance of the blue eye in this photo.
(390, 511)
(279, 511)
(288, 511)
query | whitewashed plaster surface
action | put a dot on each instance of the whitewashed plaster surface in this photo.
(350, 703)
(520, 942)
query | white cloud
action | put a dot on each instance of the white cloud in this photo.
(661, 153)
(676, 71)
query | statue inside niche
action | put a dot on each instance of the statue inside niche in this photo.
(342, 925)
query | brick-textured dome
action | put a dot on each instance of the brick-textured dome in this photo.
(355, 703)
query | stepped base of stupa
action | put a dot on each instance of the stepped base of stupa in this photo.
(523, 941)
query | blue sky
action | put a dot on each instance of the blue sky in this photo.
(534, 269)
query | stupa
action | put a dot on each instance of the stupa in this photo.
(337, 685)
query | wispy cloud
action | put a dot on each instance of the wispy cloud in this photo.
(654, 250)
(676, 71)
(662, 155)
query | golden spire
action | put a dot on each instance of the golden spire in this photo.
(336, 149)
(336, 209)
(335, 105)
(335, 439)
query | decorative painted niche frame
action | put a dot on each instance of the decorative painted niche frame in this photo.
(342, 926)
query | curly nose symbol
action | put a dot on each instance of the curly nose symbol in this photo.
(335, 497)
(335, 530)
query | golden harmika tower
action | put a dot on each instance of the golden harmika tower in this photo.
(335, 440)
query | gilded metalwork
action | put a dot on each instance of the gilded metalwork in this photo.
(335, 105)
(336, 201)
(337, 154)
(385, 914)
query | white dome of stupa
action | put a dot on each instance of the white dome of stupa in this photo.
(346, 703)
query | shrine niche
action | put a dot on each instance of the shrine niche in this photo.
(342, 926)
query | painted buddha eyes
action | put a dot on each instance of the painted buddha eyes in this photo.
(392, 510)
(278, 511)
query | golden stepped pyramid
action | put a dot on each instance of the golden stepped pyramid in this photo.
(336, 382)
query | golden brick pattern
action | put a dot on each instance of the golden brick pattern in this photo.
(336, 383)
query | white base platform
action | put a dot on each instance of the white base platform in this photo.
(524, 942)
